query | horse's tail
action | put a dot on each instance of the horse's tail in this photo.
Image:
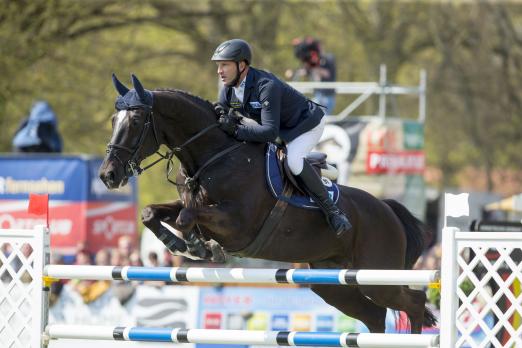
(415, 232)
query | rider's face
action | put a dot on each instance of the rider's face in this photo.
(227, 71)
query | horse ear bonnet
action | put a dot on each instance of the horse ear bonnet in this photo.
(134, 98)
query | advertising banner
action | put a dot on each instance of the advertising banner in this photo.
(382, 156)
(166, 306)
(81, 210)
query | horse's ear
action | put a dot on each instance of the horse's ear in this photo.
(138, 88)
(122, 90)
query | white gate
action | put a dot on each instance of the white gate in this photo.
(481, 275)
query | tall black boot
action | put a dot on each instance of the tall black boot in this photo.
(313, 185)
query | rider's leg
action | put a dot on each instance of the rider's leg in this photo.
(297, 150)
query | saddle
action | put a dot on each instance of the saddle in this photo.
(282, 183)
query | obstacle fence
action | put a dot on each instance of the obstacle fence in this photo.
(246, 275)
(24, 306)
(243, 337)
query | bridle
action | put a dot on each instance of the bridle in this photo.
(132, 166)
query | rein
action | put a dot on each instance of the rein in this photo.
(192, 183)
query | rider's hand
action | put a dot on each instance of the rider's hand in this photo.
(228, 124)
(220, 109)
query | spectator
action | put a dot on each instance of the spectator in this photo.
(316, 66)
(170, 260)
(56, 286)
(83, 257)
(39, 131)
(125, 248)
(116, 259)
(135, 259)
(103, 257)
(153, 259)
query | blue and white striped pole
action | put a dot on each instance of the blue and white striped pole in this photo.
(245, 275)
(243, 337)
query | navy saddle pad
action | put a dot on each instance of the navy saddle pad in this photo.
(275, 183)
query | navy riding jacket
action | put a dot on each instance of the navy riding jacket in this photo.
(279, 109)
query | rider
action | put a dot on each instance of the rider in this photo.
(280, 111)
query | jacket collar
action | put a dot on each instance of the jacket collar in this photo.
(250, 83)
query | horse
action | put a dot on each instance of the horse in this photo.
(224, 198)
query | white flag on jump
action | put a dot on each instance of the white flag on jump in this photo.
(456, 205)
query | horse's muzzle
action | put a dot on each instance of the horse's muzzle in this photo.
(112, 175)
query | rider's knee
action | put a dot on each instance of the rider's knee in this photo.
(295, 163)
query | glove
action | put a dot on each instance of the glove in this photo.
(228, 124)
(220, 109)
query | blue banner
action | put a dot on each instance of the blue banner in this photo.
(67, 178)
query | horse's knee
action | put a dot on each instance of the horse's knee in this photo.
(148, 214)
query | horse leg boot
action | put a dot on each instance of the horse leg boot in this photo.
(313, 185)
(196, 246)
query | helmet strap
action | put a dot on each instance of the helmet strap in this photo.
(238, 75)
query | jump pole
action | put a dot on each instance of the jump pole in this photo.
(245, 275)
(243, 337)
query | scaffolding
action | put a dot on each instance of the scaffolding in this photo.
(366, 90)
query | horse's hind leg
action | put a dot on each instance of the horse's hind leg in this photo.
(353, 303)
(400, 298)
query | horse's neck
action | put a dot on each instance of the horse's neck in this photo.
(180, 127)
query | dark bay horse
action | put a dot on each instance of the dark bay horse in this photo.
(224, 195)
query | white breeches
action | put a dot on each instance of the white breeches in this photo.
(301, 146)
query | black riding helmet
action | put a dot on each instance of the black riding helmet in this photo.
(236, 50)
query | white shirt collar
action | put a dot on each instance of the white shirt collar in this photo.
(240, 91)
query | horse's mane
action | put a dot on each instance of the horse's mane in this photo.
(198, 99)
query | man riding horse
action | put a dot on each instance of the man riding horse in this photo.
(224, 203)
(279, 111)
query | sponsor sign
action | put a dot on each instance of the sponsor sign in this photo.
(400, 162)
(81, 209)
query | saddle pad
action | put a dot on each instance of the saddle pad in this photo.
(275, 183)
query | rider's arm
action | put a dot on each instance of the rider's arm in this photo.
(270, 100)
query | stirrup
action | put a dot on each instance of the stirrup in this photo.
(344, 224)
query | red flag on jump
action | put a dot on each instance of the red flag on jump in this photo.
(39, 205)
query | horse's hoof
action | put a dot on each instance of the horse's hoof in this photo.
(201, 253)
(218, 255)
(197, 247)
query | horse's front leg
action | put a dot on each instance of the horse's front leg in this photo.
(152, 216)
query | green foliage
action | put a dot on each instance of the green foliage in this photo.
(64, 51)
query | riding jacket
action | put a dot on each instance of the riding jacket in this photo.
(280, 110)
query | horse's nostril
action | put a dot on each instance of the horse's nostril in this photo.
(110, 176)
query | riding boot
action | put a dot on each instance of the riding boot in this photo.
(313, 185)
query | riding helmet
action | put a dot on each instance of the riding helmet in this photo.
(235, 50)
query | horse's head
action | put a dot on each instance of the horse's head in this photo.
(133, 134)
